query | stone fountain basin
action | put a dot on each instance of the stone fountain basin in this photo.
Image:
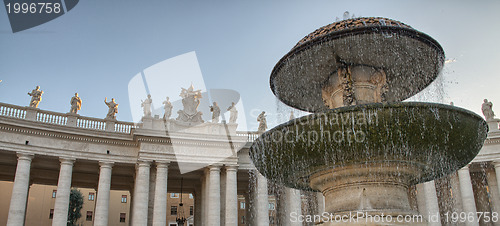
(432, 139)
(411, 60)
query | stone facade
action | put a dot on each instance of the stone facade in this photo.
(146, 163)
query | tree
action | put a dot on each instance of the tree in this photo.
(75, 205)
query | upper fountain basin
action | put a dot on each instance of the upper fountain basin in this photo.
(409, 60)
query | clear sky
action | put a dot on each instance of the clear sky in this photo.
(98, 47)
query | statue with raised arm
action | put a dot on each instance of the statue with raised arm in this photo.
(233, 113)
(262, 122)
(146, 105)
(215, 112)
(36, 97)
(76, 104)
(113, 108)
(168, 108)
(487, 109)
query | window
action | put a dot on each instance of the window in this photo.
(173, 224)
(51, 214)
(91, 196)
(190, 196)
(89, 216)
(122, 217)
(174, 195)
(271, 206)
(191, 210)
(124, 198)
(243, 219)
(54, 192)
(173, 210)
(242, 205)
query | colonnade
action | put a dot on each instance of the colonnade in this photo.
(463, 197)
(216, 201)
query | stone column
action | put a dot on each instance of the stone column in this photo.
(160, 201)
(294, 205)
(431, 203)
(467, 193)
(247, 208)
(141, 194)
(63, 190)
(214, 196)
(262, 201)
(204, 196)
(321, 202)
(17, 209)
(496, 164)
(223, 179)
(197, 206)
(151, 199)
(231, 196)
(103, 189)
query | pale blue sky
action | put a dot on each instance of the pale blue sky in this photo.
(99, 46)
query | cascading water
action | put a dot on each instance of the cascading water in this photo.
(362, 147)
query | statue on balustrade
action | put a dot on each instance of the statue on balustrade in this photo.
(168, 108)
(487, 109)
(190, 102)
(36, 97)
(113, 108)
(215, 112)
(146, 105)
(233, 113)
(76, 104)
(262, 122)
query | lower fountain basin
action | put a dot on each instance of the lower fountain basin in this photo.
(432, 139)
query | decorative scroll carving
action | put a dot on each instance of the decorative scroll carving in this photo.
(344, 73)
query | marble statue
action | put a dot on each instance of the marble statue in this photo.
(190, 102)
(487, 109)
(215, 112)
(233, 113)
(146, 105)
(262, 122)
(291, 115)
(36, 97)
(76, 104)
(168, 108)
(113, 108)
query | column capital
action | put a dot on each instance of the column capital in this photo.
(231, 167)
(162, 164)
(106, 164)
(143, 163)
(214, 167)
(67, 161)
(465, 168)
(496, 163)
(25, 156)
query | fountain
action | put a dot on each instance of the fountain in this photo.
(362, 147)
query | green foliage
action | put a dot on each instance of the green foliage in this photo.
(75, 205)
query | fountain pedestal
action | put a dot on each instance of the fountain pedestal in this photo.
(368, 193)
